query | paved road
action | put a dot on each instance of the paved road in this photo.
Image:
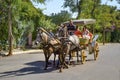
(29, 66)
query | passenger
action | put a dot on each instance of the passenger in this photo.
(78, 32)
(87, 34)
(71, 28)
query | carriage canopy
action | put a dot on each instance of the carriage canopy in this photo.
(81, 21)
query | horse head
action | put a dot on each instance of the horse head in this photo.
(41, 37)
(38, 37)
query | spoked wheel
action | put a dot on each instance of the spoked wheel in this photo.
(96, 50)
(83, 60)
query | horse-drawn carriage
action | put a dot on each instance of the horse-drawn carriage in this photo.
(84, 43)
(65, 46)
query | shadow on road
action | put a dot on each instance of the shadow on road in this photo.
(36, 67)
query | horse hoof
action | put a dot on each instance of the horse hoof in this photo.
(60, 70)
(49, 63)
(45, 68)
(67, 67)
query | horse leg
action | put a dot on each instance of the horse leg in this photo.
(68, 52)
(70, 56)
(58, 62)
(47, 55)
(64, 62)
(66, 66)
(46, 62)
(61, 62)
(78, 56)
(54, 59)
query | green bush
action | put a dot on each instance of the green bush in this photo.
(115, 35)
(108, 36)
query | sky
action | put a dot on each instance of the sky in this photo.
(55, 6)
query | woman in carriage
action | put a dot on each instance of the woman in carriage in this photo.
(86, 34)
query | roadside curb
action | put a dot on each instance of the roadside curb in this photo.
(18, 51)
(27, 51)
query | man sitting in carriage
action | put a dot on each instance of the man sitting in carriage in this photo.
(71, 28)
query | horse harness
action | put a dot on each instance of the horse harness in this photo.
(48, 44)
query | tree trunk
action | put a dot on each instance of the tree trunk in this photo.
(79, 3)
(103, 35)
(10, 36)
(29, 40)
(93, 9)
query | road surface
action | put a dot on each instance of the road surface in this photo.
(29, 66)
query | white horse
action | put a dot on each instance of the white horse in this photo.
(71, 41)
(74, 46)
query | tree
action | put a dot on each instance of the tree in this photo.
(3, 22)
(17, 12)
(10, 35)
(118, 1)
(82, 7)
(74, 5)
(60, 17)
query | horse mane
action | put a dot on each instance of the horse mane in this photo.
(44, 30)
(49, 38)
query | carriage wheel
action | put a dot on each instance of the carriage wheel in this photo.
(96, 50)
(83, 57)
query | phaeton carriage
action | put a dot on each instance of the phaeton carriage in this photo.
(84, 43)
(63, 47)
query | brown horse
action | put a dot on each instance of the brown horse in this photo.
(50, 45)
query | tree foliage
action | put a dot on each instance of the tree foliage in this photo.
(61, 17)
(103, 13)
(25, 19)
